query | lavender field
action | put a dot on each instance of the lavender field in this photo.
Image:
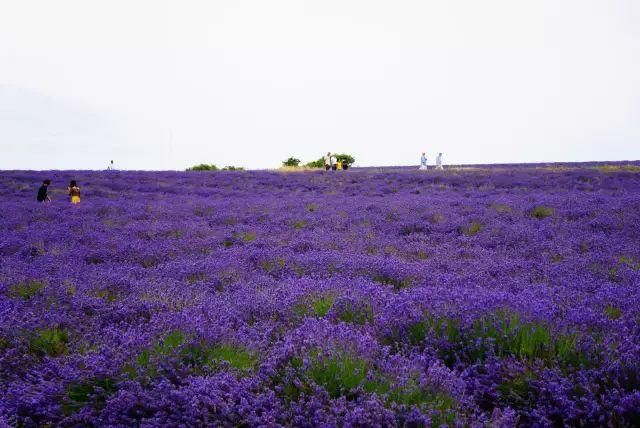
(482, 297)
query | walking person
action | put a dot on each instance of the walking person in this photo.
(74, 192)
(423, 162)
(439, 161)
(334, 163)
(42, 192)
(327, 161)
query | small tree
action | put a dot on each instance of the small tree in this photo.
(291, 162)
(344, 158)
(203, 167)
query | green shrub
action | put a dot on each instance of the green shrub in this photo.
(339, 374)
(318, 306)
(236, 356)
(49, 341)
(203, 167)
(356, 314)
(198, 356)
(291, 162)
(613, 312)
(472, 228)
(504, 334)
(95, 392)
(541, 212)
(233, 168)
(26, 290)
(322, 305)
(316, 163)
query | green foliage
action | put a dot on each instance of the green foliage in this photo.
(233, 168)
(26, 290)
(95, 392)
(311, 207)
(472, 228)
(504, 334)
(629, 261)
(343, 374)
(49, 341)
(203, 167)
(319, 306)
(322, 305)
(613, 312)
(299, 224)
(195, 355)
(540, 212)
(338, 374)
(315, 164)
(291, 162)
(356, 314)
(236, 356)
(345, 158)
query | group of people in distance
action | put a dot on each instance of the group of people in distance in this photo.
(423, 162)
(73, 189)
(331, 162)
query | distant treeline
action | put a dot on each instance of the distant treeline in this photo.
(212, 167)
(319, 163)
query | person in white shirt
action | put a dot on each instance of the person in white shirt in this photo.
(327, 161)
(439, 161)
(423, 161)
(334, 162)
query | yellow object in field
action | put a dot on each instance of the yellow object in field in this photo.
(75, 199)
(339, 164)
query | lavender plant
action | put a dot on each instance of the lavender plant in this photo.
(504, 296)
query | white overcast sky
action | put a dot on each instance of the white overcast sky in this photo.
(167, 84)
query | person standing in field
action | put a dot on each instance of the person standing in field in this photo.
(42, 192)
(327, 161)
(74, 192)
(423, 161)
(334, 163)
(439, 161)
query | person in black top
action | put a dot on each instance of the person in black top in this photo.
(42, 192)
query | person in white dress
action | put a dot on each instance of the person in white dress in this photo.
(439, 161)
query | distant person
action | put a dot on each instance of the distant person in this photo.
(327, 161)
(74, 192)
(334, 163)
(42, 192)
(111, 167)
(439, 161)
(339, 164)
(423, 161)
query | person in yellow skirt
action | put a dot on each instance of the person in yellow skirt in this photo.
(74, 192)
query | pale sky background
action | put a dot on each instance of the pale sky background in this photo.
(168, 84)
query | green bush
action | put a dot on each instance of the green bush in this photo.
(203, 167)
(315, 164)
(49, 341)
(541, 212)
(26, 290)
(291, 162)
(232, 168)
